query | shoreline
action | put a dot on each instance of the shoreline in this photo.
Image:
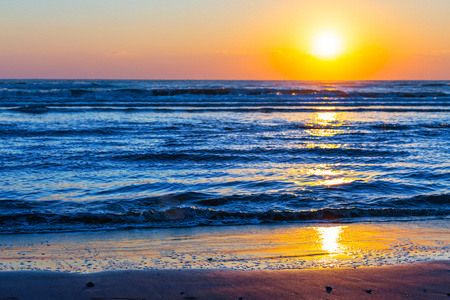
(253, 247)
(430, 280)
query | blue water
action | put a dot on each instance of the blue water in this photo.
(80, 155)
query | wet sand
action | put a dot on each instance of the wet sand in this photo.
(260, 247)
(412, 281)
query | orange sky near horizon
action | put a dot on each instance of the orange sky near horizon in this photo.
(233, 39)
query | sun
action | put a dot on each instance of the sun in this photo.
(327, 45)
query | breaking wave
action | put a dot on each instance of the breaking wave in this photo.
(111, 215)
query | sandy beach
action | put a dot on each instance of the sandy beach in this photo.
(412, 281)
(350, 261)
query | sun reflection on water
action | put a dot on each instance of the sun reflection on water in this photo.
(325, 175)
(335, 181)
(326, 107)
(322, 172)
(324, 118)
(324, 132)
(327, 122)
(330, 238)
(325, 146)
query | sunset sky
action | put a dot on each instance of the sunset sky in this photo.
(225, 39)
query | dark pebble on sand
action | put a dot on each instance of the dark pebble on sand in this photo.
(369, 291)
(210, 259)
(90, 284)
(328, 289)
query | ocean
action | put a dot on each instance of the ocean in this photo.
(106, 155)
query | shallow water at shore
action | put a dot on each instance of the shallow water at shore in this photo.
(262, 247)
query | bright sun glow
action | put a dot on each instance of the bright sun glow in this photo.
(327, 45)
(330, 238)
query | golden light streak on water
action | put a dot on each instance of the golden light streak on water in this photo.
(328, 121)
(321, 172)
(324, 118)
(328, 174)
(324, 132)
(335, 181)
(326, 107)
(325, 146)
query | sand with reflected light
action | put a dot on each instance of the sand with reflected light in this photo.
(268, 247)
(330, 238)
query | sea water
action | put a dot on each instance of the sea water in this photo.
(94, 155)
